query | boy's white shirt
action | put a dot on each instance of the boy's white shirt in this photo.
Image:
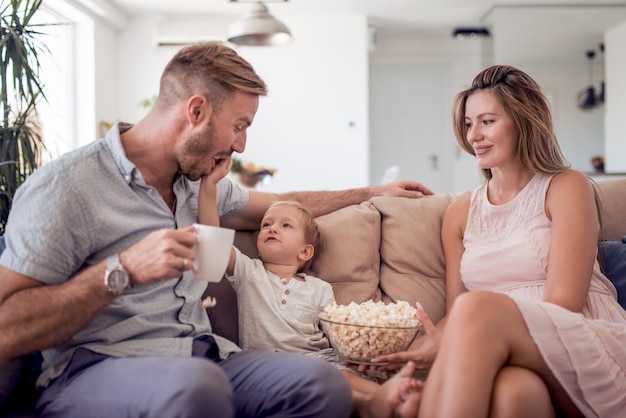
(277, 314)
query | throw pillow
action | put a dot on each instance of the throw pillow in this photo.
(613, 254)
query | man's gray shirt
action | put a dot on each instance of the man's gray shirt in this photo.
(88, 204)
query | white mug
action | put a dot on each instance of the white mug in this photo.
(212, 252)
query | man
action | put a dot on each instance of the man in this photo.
(96, 269)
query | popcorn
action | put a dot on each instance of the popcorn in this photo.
(360, 332)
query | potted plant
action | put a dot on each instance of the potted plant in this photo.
(250, 174)
(21, 143)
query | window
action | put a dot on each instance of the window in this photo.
(65, 74)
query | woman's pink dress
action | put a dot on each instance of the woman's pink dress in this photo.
(507, 251)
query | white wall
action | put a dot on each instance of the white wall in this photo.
(312, 127)
(580, 132)
(106, 76)
(460, 61)
(615, 134)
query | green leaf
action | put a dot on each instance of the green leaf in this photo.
(21, 88)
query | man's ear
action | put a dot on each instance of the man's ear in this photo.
(306, 253)
(198, 109)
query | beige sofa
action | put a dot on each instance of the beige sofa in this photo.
(390, 249)
(383, 249)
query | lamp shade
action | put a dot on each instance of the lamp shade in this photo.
(260, 28)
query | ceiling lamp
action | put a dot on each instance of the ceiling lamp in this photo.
(587, 98)
(471, 33)
(258, 28)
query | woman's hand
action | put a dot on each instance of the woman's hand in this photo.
(422, 352)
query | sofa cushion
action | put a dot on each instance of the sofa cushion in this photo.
(10, 377)
(412, 263)
(349, 259)
(18, 395)
(612, 195)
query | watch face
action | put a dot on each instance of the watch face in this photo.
(118, 280)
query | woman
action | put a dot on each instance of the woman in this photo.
(533, 326)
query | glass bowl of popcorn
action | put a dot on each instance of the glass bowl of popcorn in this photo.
(361, 332)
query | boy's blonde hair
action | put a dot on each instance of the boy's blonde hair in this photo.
(312, 233)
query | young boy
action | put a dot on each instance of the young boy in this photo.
(278, 303)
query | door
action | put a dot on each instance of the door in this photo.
(409, 124)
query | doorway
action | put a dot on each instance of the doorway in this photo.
(410, 123)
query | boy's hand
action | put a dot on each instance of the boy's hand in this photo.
(221, 169)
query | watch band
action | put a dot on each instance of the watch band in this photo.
(113, 261)
(114, 271)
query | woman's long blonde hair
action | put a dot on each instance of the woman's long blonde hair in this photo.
(522, 99)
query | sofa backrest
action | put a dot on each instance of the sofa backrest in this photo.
(390, 249)
(386, 249)
(412, 265)
(350, 256)
(612, 195)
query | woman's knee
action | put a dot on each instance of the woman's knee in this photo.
(479, 309)
(519, 393)
(468, 303)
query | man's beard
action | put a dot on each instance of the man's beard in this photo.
(196, 151)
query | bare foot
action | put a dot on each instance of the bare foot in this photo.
(405, 399)
(399, 396)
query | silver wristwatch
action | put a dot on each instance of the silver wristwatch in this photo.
(116, 278)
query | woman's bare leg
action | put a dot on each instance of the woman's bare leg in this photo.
(485, 331)
(520, 393)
